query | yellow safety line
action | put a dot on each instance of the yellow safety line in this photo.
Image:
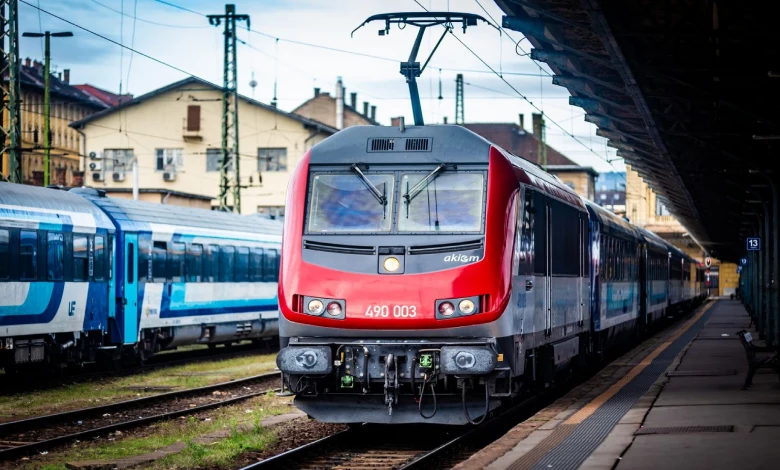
(596, 403)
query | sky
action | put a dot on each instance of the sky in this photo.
(294, 43)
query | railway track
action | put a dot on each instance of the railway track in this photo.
(23, 437)
(92, 372)
(429, 447)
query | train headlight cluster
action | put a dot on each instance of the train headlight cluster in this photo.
(318, 306)
(453, 308)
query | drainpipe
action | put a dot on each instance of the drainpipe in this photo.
(83, 156)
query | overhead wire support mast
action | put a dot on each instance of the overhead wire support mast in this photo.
(10, 92)
(411, 68)
(229, 110)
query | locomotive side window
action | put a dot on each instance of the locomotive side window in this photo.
(451, 202)
(80, 258)
(55, 243)
(346, 203)
(565, 239)
(539, 211)
(5, 254)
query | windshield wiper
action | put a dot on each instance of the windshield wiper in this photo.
(374, 190)
(417, 188)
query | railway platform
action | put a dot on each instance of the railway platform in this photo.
(676, 404)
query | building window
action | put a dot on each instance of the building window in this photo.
(660, 208)
(117, 159)
(603, 197)
(170, 159)
(272, 212)
(271, 159)
(213, 157)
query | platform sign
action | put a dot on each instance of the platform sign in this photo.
(707, 261)
(743, 261)
(754, 244)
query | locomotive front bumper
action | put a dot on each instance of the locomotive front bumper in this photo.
(366, 360)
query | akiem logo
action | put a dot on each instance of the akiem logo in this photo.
(460, 258)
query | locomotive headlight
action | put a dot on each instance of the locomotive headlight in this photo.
(391, 264)
(446, 309)
(316, 307)
(466, 307)
(334, 309)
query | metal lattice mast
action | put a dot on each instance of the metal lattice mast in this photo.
(229, 110)
(10, 127)
(459, 115)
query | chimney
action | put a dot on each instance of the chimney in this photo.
(78, 179)
(339, 104)
(66, 76)
(522, 121)
(365, 108)
(395, 122)
(316, 92)
(537, 122)
(445, 119)
(353, 100)
(27, 62)
(373, 113)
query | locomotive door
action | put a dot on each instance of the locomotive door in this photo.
(541, 249)
(130, 287)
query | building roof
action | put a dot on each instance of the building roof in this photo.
(104, 96)
(200, 82)
(32, 76)
(347, 107)
(512, 138)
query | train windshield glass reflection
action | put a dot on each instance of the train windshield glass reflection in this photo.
(450, 203)
(344, 203)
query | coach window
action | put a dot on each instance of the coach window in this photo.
(28, 256)
(242, 264)
(256, 264)
(176, 261)
(5, 254)
(100, 258)
(270, 273)
(80, 258)
(213, 263)
(194, 262)
(159, 261)
(54, 256)
(144, 259)
(227, 262)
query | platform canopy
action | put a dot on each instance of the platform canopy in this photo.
(686, 91)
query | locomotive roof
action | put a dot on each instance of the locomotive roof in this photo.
(446, 144)
(611, 222)
(54, 207)
(142, 216)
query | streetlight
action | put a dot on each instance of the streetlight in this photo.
(46, 100)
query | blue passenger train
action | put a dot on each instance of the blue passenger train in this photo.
(82, 274)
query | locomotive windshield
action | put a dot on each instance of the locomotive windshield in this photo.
(449, 202)
(345, 203)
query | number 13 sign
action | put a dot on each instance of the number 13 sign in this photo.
(754, 244)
